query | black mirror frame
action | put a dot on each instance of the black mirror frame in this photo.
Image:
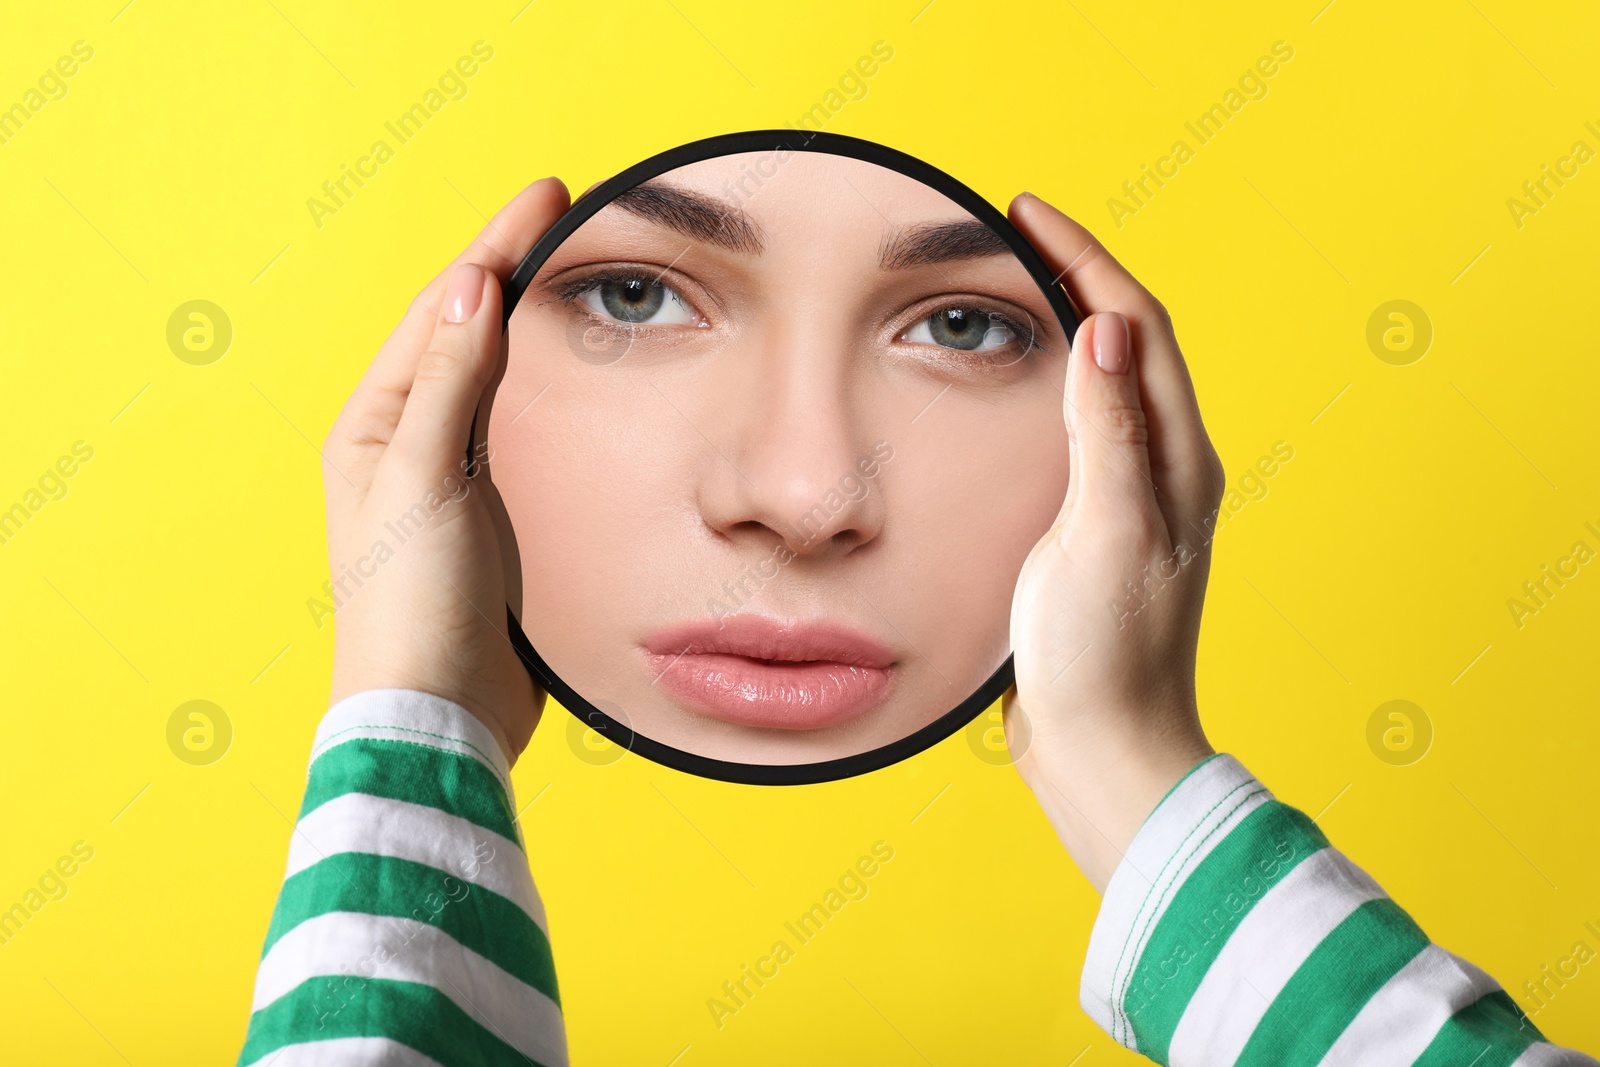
(586, 207)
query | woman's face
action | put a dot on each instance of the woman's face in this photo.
(775, 435)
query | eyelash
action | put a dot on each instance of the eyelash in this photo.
(569, 292)
(1017, 329)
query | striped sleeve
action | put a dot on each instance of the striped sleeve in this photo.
(408, 930)
(1233, 935)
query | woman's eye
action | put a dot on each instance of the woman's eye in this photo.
(637, 302)
(966, 329)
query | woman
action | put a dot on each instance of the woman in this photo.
(772, 456)
(409, 931)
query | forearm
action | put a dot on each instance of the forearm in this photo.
(1231, 933)
(408, 918)
(1098, 778)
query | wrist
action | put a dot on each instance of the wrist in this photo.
(1098, 788)
(509, 744)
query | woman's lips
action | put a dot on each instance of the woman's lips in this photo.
(756, 671)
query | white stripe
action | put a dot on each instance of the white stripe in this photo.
(348, 946)
(411, 715)
(1270, 943)
(360, 822)
(343, 1051)
(1192, 820)
(1402, 1019)
(1544, 1054)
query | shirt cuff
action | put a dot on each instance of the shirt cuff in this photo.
(1196, 814)
(412, 715)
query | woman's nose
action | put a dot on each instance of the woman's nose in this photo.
(801, 464)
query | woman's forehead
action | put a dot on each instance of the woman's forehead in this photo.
(796, 210)
(784, 189)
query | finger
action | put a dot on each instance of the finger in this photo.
(1106, 423)
(452, 371)
(1090, 273)
(1081, 342)
(1183, 463)
(369, 417)
(499, 247)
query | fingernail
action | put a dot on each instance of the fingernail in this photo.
(464, 293)
(1111, 343)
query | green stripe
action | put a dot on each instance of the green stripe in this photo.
(1256, 855)
(1355, 960)
(480, 919)
(1251, 789)
(1490, 1032)
(417, 773)
(321, 1009)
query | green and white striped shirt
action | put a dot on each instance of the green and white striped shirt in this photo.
(1232, 933)
(408, 930)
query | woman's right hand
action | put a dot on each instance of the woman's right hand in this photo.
(419, 583)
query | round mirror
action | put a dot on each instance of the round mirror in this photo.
(779, 421)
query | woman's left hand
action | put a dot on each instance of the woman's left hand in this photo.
(1106, 617)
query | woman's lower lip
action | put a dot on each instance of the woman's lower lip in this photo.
(777, 695)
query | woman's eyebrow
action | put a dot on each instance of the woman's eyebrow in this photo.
(939, 242)
(694, 215)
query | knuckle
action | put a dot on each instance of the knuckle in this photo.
(436, 363)
(335, 436)
(499, 252)
(1125, 424)
(1091, 252)
(1216, 477)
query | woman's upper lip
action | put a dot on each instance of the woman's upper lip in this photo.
(761, 638)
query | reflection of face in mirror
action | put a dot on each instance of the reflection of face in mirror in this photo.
(775, 435)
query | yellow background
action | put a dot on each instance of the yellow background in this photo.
(1378, 566)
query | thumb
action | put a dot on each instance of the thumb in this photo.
(1107, 429)
(451, 375)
